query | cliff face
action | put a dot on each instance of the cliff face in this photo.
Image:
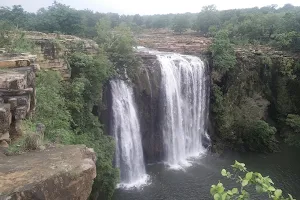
(166, 40)
(146, 87)
(52, 49)
(17, 93)
(57, 173)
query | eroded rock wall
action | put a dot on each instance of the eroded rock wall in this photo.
(52, 49)
(146, 87)
(17, 93)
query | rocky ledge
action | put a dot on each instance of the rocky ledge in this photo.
(58, 173)
(165, 40)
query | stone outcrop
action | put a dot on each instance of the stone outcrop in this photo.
(146, 87)
(52, 49)
(17, 93)
(166, 40)
(65, 172)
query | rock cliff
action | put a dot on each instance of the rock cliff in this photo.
(52, 49)
(17, 93)
(166, 40)
(65, 172)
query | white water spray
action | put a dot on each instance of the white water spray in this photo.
(126, 130)
(184, 107)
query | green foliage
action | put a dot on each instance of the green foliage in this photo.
(65, 108)
(180, 24)
(58, 17)
(83, 92)
(259, 136)
(246, 179)
(223, 53)
(267, 25)
(206, 18)
(13, 40)
(51, 109)
(118, 45)
(292, 123)
(107, 175)
(30, 140)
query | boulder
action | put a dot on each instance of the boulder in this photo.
(59, 173)
(3, 144)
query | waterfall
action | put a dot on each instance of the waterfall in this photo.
(184, 107)
(126, 130)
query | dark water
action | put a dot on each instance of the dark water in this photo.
(194, 183)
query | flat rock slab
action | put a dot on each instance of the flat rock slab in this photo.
(65, 172)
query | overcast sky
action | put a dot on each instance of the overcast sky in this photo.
(146, 6)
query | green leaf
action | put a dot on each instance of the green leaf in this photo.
(217, 197)
(249, 175)
(235, 191)
(258, 174)
(269, 180)
(244, 183)
(213, 190)
(224, 196)
(271, 188)
(278, 193)
(291, 197)
(220, 189)
(258, 189)
(228, 174)
(220, 184)
(223, 172)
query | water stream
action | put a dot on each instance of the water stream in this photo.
(126, 130)
(184, 107)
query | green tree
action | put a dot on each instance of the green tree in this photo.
(206, 18)
(222, 52)
(59, 17)
(292, 129)
(51, 109)
(245, 179)
(180, 24)
(83, 92)
(118, 44)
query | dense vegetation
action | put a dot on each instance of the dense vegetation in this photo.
(270, 24)
(65, 108)
(263, 185)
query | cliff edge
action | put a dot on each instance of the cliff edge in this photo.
(65, 172)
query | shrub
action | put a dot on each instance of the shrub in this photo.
(245, 178)
(223, 53)
(260, 136)
(292, 123)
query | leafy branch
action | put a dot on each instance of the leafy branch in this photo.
(240, 174)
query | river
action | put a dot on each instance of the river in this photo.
(194, 182)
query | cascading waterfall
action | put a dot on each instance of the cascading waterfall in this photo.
(184, 102)
(126, 130)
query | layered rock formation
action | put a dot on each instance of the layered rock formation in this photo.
(52, 49)
(17, 93)
(166, 40)
(57, 173)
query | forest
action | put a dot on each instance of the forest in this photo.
(267, 25)
(66, 107)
